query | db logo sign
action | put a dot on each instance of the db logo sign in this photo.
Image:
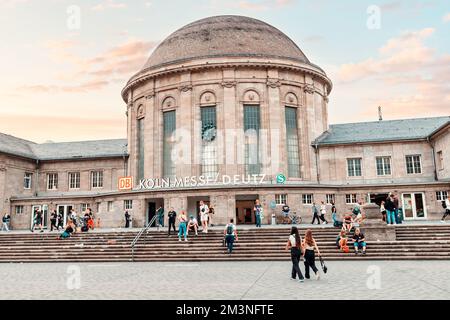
(125, 183)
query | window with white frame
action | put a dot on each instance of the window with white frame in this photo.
(350, 198)
(307, 198)
(84, 207)
(441, 195)
(97, 179)
(383, 166)
(280, 199)
(74, 180)
(354, 167)
(27, 180)
(52, 181)
(440, 160)
(413, 164)
(19, 209)
(110, 206)
(330, 198)
(128, 204)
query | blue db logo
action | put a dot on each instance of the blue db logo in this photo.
(281, 178)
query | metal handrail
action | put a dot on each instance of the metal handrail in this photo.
(136, 239)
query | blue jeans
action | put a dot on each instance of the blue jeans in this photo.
(390, 217)
(258, 221)
(161, 220)
(396, 216)
(229, 239)
(182, 230)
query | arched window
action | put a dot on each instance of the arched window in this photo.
(209, 141)
(252, 125)
(169, 167)
(292, 141)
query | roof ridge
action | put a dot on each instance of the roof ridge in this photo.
(393, 120)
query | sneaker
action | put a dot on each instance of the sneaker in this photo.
(364, 252)
(301, 280)
(185, 240)
(442, 221)
(356, 253)
(292, 278)
(179, 240)
(324, 222)
(317, 276)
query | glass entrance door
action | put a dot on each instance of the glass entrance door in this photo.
(414, 206)
(44, 210)
(65, 211)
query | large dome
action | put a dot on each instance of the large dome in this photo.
(225, 36)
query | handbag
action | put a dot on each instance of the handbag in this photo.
(322, 263)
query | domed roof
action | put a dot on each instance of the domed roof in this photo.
(225, 36)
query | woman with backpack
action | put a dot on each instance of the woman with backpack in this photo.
(295, 245)
(309, 245)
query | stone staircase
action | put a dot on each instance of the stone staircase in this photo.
(414, 242)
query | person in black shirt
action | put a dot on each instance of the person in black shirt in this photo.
(172, 218)
(60, 221)
(127, 219)
(53, 220)
(359, 241)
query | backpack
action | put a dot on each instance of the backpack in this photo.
(230, 229)
(356, 210)
(444, 205)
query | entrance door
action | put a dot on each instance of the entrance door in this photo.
(65, 211)
(44, 209)
(414, 206)
(151, 212)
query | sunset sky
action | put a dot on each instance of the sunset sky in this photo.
(59, 82)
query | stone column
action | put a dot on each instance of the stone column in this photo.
(230, 107)
(185, 128)
(149, 136)
(224, 208)
(373, 227)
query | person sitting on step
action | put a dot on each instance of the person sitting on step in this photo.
(192, 225)
(359, 241)
(348, 222)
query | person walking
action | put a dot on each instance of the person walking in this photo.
(315, 212)
(160, 215)
(53, 221)
(390, 209)
(310, 245)
(446, 205)
(127, 220)
(204, 216)
(258, 213)
(182, 228)
(5, 222)
(231, 235)
(37, 222)
(294, 244)
(323, 212)
(60, 221)
(172, 219)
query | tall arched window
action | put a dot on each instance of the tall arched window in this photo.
(209, 141)
(252, 125)
(293, 155)
(141, 147)
(169, 167)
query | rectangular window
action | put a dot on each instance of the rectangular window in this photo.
(330, 198)
(440, 160)
(128, 204)
(252, 126)
(441, 195)
(280, 199)
(52, 181)
(97, 179)
(19, 209)
(141, 148)
(110, 206)
(383, 166)
(293, 152)
(74, 180)
(350, 198)
(413, 164)
(209, 143)
(307, 198)
(84, 207)
(354, 167)
(169, 119)
(27, 180)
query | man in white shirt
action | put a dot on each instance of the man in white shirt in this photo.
(447, 208)
(204, 211)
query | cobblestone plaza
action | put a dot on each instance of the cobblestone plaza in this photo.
(360, 280)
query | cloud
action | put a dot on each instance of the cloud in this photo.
(93, 73)
(406, 77)
(446, 18)
(12, 3)
(108, 4)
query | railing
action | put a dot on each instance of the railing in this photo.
(139, 235)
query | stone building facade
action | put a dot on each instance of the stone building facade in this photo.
(233, 102)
